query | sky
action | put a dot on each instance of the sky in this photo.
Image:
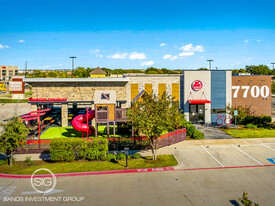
(137, 34)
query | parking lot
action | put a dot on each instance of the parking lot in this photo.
(229, 155)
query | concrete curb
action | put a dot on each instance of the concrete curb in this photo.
(217, 168)
(157, 169)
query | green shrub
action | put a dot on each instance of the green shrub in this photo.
(190, 129)
(13, 101)
(29, 162)
(120, 156)
(70, 149)
(198, 135)
(136, 156)
(4, 161)
(251, 126)
(110, 157)
(260, 121)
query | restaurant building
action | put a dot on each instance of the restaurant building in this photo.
(202, 95)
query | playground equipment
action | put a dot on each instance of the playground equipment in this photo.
(2, 87)
(80, 122)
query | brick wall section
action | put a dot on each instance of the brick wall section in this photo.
(260, 105)
(81, 91)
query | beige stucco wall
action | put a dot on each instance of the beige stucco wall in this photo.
(205, 78)
(155, 80)
(77, 91)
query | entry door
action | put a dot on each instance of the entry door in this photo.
(196, 113)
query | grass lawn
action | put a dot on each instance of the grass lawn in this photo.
(88, 166)
(251, 133)
(59, 132)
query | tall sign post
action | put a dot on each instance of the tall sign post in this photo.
(235, 114)
(126, 152)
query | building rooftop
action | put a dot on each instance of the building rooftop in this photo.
(97, 79)
(98, 71)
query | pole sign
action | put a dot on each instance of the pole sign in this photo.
(15, 86)
(235, 112)
(126, 150)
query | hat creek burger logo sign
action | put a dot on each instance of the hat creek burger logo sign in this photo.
(196, 85)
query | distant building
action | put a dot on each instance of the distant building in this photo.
(6, 72)
(97, 72)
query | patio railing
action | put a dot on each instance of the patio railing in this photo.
(120, 115)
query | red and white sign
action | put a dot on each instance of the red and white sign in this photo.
(15, 86)
(196, 85)
(47, 99)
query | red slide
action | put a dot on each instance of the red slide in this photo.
(79, 123)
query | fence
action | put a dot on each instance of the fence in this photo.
(134, 143)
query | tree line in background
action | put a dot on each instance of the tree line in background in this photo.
(81, 72)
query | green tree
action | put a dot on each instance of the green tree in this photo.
(202, 69)
(258, 70)
(151, 70)
(81, 72)
(152, 117)
(14, 137)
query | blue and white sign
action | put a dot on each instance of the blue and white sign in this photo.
(272, 160)
(235, 112)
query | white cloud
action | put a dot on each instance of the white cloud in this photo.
(162, 44)
(118, 56)
(135, 55)
(94, 51)
(167, 56)
(202, 57)
(258, 40)
(3, 46)
(149, 63)
(173, 58)
(21, 41)
(44, 67)
(99, 55)
(186, 54)
(191, 48)
(246, 41)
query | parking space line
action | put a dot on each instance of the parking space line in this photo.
(213, 156)
(267, 146)
(248, 155)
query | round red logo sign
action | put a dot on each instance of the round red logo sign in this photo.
(196, 85)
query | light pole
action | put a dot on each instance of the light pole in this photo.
(273, 65)
(209, 60)
(73, 63)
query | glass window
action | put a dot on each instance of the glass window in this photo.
(218, 89)
(10, 72)
(16, 72)
(4, 72)
(105, 96)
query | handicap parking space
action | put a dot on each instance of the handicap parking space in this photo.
(211, 156)
(259, 152)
